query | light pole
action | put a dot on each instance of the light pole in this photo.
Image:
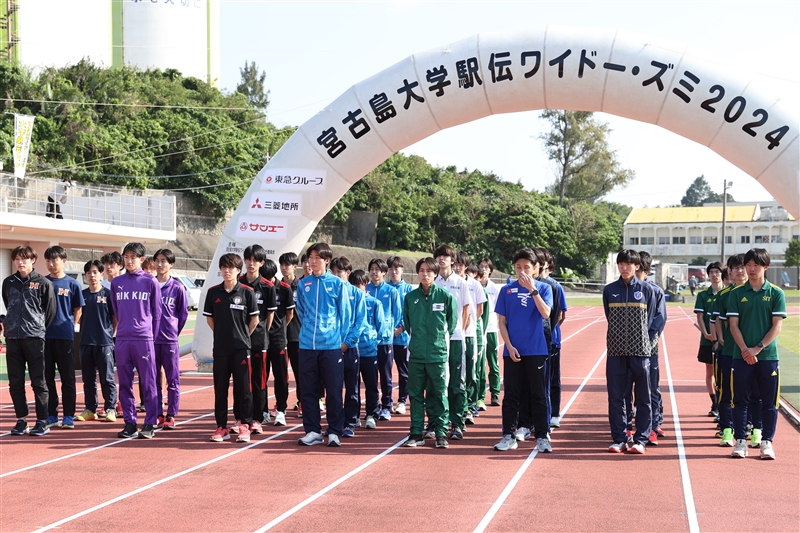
(725, 186)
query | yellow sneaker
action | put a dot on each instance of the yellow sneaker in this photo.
(111, 416)
(86, 415)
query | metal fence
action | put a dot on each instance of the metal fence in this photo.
(31, 196)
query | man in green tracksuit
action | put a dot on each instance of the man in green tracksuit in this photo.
(430, 316)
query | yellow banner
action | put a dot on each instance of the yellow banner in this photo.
(23, 128)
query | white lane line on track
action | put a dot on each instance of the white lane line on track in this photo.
(162, 481)
(518, 475)
(330, 487)
(688, 496)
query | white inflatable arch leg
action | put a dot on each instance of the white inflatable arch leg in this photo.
(746, 118)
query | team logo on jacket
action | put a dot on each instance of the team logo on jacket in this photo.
(34, 286)
(637, 295)
(237, 300)
(308, 289)
(416, 301)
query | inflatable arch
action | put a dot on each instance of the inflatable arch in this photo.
(744, 117)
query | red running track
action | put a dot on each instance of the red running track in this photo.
(87, 480)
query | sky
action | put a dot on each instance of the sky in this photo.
(313, 51)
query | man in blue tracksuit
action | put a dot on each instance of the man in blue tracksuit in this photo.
(323, 303)
(341, 268)
(400, 343)
(393, 313)
(630, 309)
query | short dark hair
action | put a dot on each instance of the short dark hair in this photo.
(525, 253)
(25, 252)
(112, 258)
(472, 269)
(256, 252)
(629, 256)
(725, 274)
(462, 258)
(304, 258)
(167, 253)
(712, 266)
(735, 260)
(548, 257)
(341, 263)
(488, 263)
(357, 278)
(54, 252)
(231, 260)
(757, 255)
(288, 258)
(445, 249)
(137, 248)
(541, 258)
(395, 261)
(268, 269)
(93, 263)
(148, 263)
(380, 263)
(323, 250)
(647, 261)
(431, 262)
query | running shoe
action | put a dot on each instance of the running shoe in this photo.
(384, 414)
(555, 422)
(169, 422)
(456, 434)
(235, 427)
(713, 413)
(660, 432)
(637, 449)
(413, 441)
(718, 434)
(543, 446)
(280, 418)
(481, 405)
(349, 432)
(469, 419)
(299, 410)
(522, 434)
(244, 433)
(220, 435)
(86, 415)
(767, 452)
(755, 438)
(508, 442)
(255, 427)
(333, 440)
(495, 401)
(310, 439)
(617, 447)
(68, 423)
(441, 442)
(370, 424)
(111, 416)
(41, 428)
(430, 433)
(653, 438)
(400, 408)
(267, 418)
(51, 421)
(140, 407)
(129, 431)
(716, 419)
(101, 413)
(160, 421)
(727, 437)
(740, 450)
(20, 428)
(147, 432)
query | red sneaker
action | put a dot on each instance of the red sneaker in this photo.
(256, 428)
(653, 439)
(660, 432)
(244, 433)
(236, 427)
(169, 422)
(160, 422)
(299, 410)
(220, 435)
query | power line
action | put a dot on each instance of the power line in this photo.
(110, 104)
(119, 176)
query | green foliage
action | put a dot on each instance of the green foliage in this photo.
(699, 261)
(253, 87)
(586, 167)
(793, 253)
(164, 128)
(700, 192)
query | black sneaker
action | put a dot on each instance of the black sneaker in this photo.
(147, 432)
(495, 401)
(441, 442)
(414, 440)
(21, 428)
(455, 434)
(129, 432)
(40, 429)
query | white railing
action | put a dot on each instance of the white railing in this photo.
(31, 196)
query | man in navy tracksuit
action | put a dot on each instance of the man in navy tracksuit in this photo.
(323, 303)
(630, 309)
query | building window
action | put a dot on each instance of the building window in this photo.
(710, 240)
(647, 240)
(679, 240)
(762, 239)
(633, 240)
(796, 237)
(694, 240)
(663, 240)
(729, 239)
(745, 239)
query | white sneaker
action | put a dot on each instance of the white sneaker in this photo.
(740, 450)
(522, 434)
(508, 443)
(767, 452)
(371, 422)
(617, 447)
(311, 438)
(400, 409)
(543, 446)
(280, 418)
(333, 440)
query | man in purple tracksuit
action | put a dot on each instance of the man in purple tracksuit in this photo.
(167, 350)
(136, 299)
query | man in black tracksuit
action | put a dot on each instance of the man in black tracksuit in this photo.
(31, 304)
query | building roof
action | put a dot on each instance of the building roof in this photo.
(676, 215)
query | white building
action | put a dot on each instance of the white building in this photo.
(177, 34)
(681, 234)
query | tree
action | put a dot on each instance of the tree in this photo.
(586, 167)
(793, 257)
(700, 192)
(252, 86)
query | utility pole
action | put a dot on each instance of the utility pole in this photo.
(725, 186)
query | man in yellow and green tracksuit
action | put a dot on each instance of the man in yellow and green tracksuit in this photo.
(430, 317)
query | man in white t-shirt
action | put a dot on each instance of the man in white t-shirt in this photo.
(59, 195)
(477, 298)
(485, 269)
